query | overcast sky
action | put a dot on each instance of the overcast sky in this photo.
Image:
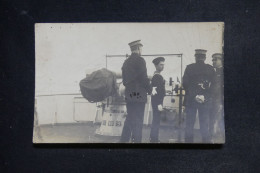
(66, 52)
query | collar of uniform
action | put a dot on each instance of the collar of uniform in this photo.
(156, 73)
(200, 62)
(135, 54)
(220, 69)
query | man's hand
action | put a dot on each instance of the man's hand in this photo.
(160, 108)
(124, 115)
(200, 98)
(154, 91)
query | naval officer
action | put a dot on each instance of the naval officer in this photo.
(197, 81)
(137, 86)
(217, 111)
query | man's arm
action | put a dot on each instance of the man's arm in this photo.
(213, 86)
(186, 78)
(143, 77)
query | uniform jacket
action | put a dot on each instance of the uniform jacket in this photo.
(198, 80)
(218, 87)
(159, 82)
(135, 79)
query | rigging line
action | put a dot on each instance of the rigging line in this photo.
(182, 38)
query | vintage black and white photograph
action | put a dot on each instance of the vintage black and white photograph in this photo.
(129, 83)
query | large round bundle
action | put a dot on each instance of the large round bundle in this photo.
(98, 85)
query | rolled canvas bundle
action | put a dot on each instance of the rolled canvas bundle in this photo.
(98, 85)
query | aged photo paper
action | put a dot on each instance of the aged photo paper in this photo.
(129, 83)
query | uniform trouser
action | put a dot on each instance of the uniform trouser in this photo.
(203, 114)
(216, 117)
(154, 135)
(133, 123)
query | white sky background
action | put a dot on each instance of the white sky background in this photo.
(66, 52)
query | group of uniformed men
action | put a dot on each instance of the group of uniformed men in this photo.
(203, 85)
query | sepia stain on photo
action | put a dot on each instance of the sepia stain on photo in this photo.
(129, 83)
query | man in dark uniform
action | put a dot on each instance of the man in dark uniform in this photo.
(217, 110)
(158, 84)
(197, 81)
(137, 85)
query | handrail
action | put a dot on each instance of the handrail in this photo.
(126, 55)
(57, 94)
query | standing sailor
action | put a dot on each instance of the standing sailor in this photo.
(217, 111)
(197, 81)
(137, 85)
(158, 83)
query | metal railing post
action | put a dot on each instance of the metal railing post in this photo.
(180, 104)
